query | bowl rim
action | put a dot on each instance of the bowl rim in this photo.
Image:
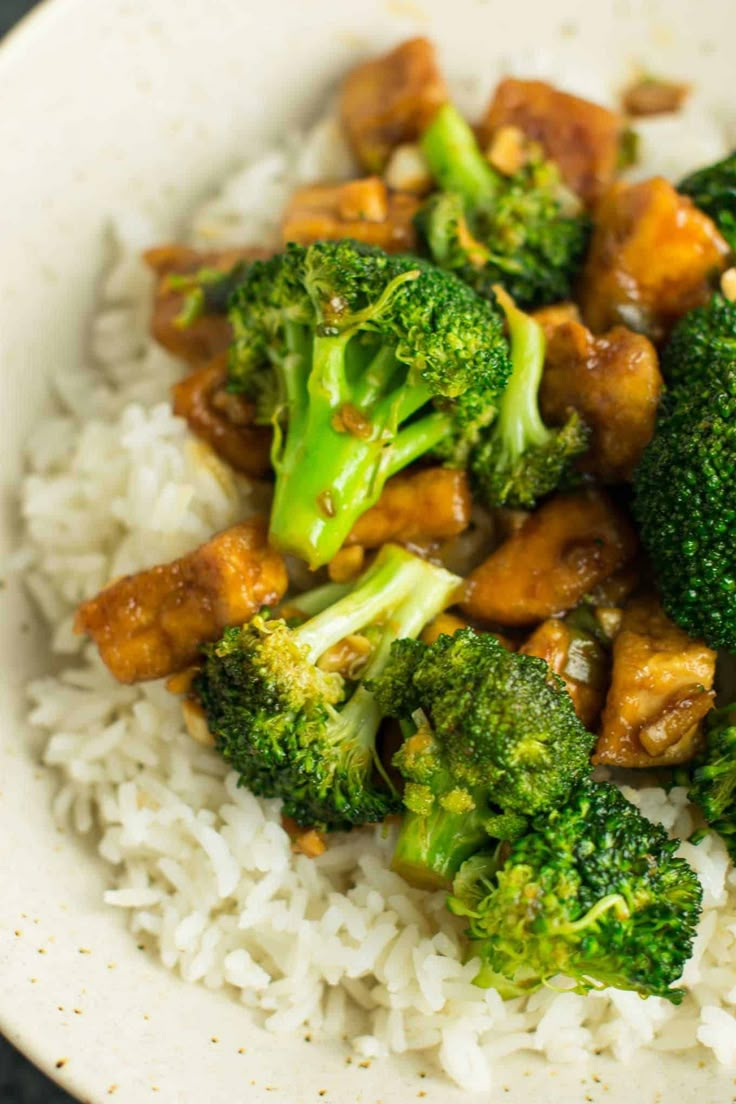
(15, 47)
(19, 36)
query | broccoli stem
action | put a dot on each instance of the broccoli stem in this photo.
(417, 439)
(614, 901)
(331, 470)
(399, 586)
(314, 601)
(519, 425)
(488, 978)
(427, 591)
(376, 378)
(455, 161)
(431, 849)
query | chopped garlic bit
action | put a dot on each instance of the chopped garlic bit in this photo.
(728, 284)
(508, 150)
(609, 618)
(407, 170)
(196, 723)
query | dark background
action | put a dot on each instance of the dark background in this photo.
(12, 10)
(20, 1082)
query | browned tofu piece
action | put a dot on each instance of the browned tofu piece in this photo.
(361, 209)
(614, 383)
(347, 564)
(152, 624)
(651, 96)
(660, 692)
(578, 659)
(561, 552)
(446, 624)
(432, 504)
(549, 318)
(225, 421)
(207, 336)
(390, 100)
(304, 841)
(580, 136)
(653, 256)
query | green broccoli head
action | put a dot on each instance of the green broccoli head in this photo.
(593, 891)
(270, 709)
(294, 731)
(685, 503)
(713, 785)
(491, 738)
(363, 362)
(520, 459)
(703, 342)
(517, 231)
(713, 190)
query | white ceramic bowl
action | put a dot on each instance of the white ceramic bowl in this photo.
(107, 104)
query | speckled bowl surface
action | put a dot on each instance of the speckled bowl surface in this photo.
(107, 104)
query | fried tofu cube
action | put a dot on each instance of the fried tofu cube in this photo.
(580, 136)
(661, 689)
(578, 659)
(208, 335)
(154, 623)
(361, 209)
(390, 100)
(556, 314)
(347, 564)
(652, 96)
(653, 256)
(432, 504)
(614, 383)
(224, 420)
(448, 624)
(444, 624)
(562, 551)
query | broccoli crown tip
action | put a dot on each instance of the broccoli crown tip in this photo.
(294, 730)
(713, 783)
(593, 892)
(491, 737)
(713, 190)
(685, 503)
(520, 459)
(497, 720)
(363, 362)
(524, 231)
(702, 343)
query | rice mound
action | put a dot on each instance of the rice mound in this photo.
(339, 943)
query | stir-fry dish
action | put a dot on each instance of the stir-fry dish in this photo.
(486, 392)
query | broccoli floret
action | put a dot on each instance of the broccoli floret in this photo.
(702, 342)
(713, 785)
(521, 459)
(593, 891)
(713, 190)
(363, 362)
(307, 735)
(490, 229)
(491, 738)
(685, 503)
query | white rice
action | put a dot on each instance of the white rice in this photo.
(339, 944)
